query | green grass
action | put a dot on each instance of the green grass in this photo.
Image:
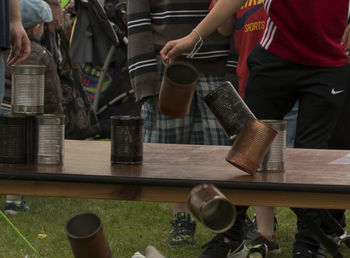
(129, 227)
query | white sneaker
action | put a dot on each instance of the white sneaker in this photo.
(138, 255)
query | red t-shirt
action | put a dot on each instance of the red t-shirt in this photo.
(249, 27)
(307, 32)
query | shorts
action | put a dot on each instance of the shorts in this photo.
(199, 126)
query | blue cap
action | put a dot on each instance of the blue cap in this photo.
(34, 12)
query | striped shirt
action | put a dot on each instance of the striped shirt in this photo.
(306, 31)
(152, 23)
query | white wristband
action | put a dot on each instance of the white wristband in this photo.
(197, 46)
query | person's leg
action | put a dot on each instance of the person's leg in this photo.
(13, 203)
(265, 216)
(270, 95)
(158, 128)
(265, 220)
(229, 243)
(291, 119)
(318, 112)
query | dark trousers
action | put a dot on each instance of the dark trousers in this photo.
(273, 87)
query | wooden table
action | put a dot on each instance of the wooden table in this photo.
(313, 178)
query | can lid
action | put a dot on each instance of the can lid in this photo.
(126, 120)
(50, 119)
(28, 69)
(181, 73)
(13, 119)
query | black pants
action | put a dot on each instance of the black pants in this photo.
(271, 91)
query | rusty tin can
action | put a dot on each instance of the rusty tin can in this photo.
(251, 145)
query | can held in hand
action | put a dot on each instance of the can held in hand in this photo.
(126, 140)
(27, 95)
(177, 88)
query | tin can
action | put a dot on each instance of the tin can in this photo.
(13, 137)
(251, 145)
(275, 158)
(228, 108)
(27, 94)
(211, 208)
(177, 88)
(86, 236)
(49, 138)
(126, 139)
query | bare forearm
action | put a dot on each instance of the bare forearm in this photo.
(15, 12)
(221, 12)
(227, 27)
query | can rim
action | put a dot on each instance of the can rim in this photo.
(28, 69)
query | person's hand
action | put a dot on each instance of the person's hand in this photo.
(57, 15)
(174, 48)
(346, 38)
(20, 44)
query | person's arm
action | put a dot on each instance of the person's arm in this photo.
(142, 62)
(222, 11)
(346, 38)
(227, 27)
(20, 44)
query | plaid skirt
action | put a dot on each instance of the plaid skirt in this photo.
(199, 126)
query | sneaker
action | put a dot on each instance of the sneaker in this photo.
(12, 207)
(262, 245)
(182, 230)
(222, 247)
(303, 254)
(321, 252)
(257, 251)
(138, 255)
(249, 226)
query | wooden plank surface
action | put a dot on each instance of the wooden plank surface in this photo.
(313, 178)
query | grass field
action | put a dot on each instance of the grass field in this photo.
(129, 227)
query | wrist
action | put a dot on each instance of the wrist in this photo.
(197, 42)
(195, 37)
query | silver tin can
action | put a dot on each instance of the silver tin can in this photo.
(49, 139)
(275, 158)
(211, 208)
(28, 82)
